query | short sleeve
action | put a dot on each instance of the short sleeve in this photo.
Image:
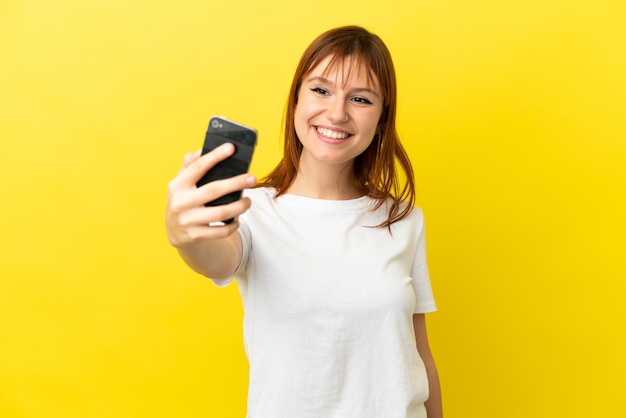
(424, 299)
(244, 234)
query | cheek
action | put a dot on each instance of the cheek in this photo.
(299, 121)
(371, 124)
(376, 125)
(304, 111)
(297, 114)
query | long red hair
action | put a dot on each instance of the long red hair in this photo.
(375, 169)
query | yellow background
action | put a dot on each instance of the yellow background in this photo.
(512, 111)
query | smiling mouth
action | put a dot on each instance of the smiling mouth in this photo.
(329, 133)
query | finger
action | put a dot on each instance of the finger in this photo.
(188, 159)
(199, 224)
(181, 200)
(218, 188)
(212, 215)
(198, 168)
(207, 232)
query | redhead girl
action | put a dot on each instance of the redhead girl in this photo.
(328, 250)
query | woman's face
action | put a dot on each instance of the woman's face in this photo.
(336, 115)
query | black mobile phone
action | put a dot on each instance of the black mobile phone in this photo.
(244, 138)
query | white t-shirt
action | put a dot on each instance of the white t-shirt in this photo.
(328, 308)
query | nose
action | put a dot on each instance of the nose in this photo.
(337, 110)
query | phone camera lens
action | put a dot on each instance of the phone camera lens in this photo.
(215, 124)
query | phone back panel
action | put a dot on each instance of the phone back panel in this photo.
(220, 131)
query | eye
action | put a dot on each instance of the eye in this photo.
(319, 90)
(362, 100)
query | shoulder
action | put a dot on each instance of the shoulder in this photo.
(416, 216)
(415, 213)
(263, 201)
(260, 194)
(411, 224)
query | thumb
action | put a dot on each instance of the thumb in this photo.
(189, 158)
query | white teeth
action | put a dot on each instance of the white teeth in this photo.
(331, 134)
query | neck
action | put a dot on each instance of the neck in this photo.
(331, 182)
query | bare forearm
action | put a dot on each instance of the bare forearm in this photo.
(433, 405)
(216, 259)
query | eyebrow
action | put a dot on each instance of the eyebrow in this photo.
(327, 82)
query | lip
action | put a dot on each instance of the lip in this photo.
(331, 140)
